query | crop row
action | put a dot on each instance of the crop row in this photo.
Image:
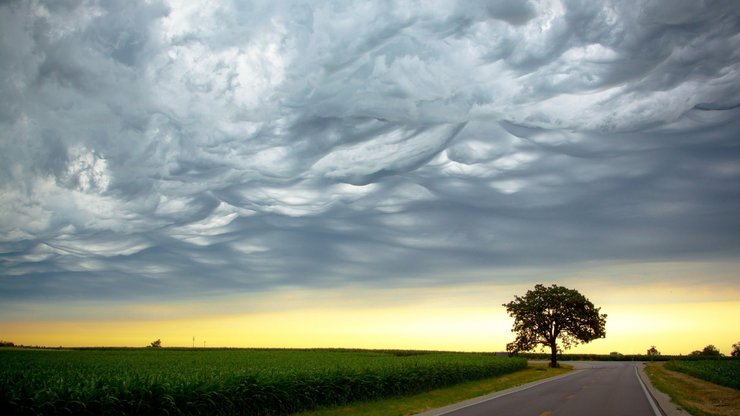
(723, 372)
(237, 382)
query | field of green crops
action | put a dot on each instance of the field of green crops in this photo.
(223, 382)
(723, 372)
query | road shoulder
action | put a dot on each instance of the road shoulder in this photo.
(667, 407)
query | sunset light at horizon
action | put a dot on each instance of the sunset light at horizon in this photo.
(380, 175)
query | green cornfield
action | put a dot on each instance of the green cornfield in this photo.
(722, 372)
(224, 382)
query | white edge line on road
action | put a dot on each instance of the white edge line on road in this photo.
(647, 394)
(512, 391)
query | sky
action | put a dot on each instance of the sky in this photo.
(367, 174)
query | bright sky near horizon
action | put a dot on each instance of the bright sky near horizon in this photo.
(367, 174)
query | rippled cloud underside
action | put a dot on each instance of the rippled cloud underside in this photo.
(167, 148)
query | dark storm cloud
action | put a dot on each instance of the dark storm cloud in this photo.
(178, 148)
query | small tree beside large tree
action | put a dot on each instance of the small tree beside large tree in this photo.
(546, 315)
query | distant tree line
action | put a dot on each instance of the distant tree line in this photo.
(709, 351)
(651, 354)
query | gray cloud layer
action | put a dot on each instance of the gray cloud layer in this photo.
(178, 148)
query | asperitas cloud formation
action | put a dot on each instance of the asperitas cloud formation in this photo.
(166, 148)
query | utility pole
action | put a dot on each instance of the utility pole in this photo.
(193, 341)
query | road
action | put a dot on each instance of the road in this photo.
(594, 388)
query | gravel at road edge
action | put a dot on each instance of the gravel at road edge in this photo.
(664, 401)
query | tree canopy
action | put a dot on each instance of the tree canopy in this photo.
(708, 351)
(545, 316)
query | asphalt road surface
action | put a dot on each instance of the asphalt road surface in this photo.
(595, 388)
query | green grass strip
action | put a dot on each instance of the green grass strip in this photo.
(409, 405)
(696, 396)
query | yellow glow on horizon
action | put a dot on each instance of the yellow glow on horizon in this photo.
(407, 328)
(676, 318)
(673, 328)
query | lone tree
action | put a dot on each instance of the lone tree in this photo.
(545, 315)
(155, 344)
(711, 351)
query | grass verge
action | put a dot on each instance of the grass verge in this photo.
(698, 397)
(410, 405)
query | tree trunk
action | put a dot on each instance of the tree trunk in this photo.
(554, 355)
